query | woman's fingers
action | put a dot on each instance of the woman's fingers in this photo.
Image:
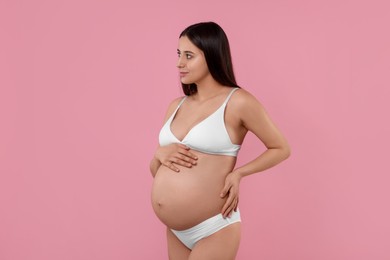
(225, 190)
(177, 155)
(230, 204)
(189, 157)
(180, 160)
(186, 159)
(172, 167)
(228, 212)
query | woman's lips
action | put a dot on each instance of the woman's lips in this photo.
(183, 74)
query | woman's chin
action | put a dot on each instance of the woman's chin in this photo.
(185, 81)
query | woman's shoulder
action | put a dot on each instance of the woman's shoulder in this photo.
(172, 106)
(248, 108)
(175, 102)
(243, 98)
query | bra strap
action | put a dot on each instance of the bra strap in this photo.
(181, 102)
(230, 94)
(177, 108)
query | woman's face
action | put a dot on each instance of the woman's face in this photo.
(192, 63)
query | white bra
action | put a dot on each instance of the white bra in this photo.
(208, 136)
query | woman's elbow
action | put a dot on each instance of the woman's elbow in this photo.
(286, 151)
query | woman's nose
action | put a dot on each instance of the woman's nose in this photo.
(179, 63)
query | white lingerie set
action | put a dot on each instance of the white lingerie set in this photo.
(209, 136)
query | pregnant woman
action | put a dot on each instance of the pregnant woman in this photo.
(196, 185)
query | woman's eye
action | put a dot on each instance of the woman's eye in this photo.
(188, 56)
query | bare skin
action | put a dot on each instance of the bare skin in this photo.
(190, 186)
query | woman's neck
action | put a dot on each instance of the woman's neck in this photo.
(207, 90)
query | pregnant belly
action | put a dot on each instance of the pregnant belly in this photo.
(183, 199)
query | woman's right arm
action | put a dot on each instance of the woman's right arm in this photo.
(172, 154)
(154, 166)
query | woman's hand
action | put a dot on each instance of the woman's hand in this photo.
(231, 189)
(175, 154)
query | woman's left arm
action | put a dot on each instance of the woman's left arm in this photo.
(256, 120)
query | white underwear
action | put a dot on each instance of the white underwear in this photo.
(190, 236)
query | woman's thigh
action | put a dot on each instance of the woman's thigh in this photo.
(220, 245)
(176, 249)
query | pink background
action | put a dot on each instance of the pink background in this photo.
(84, 86)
